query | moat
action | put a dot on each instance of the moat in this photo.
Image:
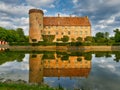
(68, 70)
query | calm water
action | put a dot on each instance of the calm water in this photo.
(69, 70)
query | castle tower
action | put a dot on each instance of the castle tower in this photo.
(36, 68)
(35, 25)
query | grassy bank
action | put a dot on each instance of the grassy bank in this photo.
(12, 86)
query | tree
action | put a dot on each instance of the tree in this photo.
(99, 35)
(106, 35)
(12, 36)
(89, 39)
(65, 39)
(117, 35)
(21, 34)
(79, 39)
(3, 33)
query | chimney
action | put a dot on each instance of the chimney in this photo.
(58, 15)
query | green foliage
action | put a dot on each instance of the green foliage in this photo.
(48, 56)
(106, 35)
(11, 35)
(48, 38)
(20, 34)
(11, 56)
(65, 39)
(117, 35)
(19, 43)
(99, 35)
(14, 86)
(58, 39)
(88, 56)
(89, 39)
(79, 59)
(62, 44)
(79, 39)
(43, 43)
(76, 44)
(65, 57)
(117, 56)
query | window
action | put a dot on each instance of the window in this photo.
(86, 32)
(43, 32)
(76, 32)
(80, 32)
(40, 25)
(68, 32)
(48, 32)
(62, 33)
(56, 33)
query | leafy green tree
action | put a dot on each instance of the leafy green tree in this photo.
(11, 35)
(89, 39)
(99, 35)
(65, 39)
(106, 35)
(21, 34)
(117, 57)
(3, 33)
(117, 35)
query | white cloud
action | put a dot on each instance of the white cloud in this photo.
(113, 2)
(10, 9)
(41, 3)
(75, 1)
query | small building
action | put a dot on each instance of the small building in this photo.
(73, 27)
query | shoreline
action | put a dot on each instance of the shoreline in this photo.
(64, 48)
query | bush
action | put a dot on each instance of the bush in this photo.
(62, 44)
(76, 43)
(79, 39)
(65, 39)
(48, 38)
(19, 43)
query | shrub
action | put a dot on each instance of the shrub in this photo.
(65, 39)
(48, 38)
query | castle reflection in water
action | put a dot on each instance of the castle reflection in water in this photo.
(57, 65)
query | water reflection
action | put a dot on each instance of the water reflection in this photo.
(70, 70)
(57, 65)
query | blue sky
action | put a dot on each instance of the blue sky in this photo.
(103, 14)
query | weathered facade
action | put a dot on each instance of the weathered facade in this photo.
(73, 27)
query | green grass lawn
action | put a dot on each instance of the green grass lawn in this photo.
(5, 86)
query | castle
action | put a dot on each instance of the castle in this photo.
(73, 27)
(57, 67)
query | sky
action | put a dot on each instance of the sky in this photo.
(104, 15)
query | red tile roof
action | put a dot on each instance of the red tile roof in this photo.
(66, 21)
(66, 72)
